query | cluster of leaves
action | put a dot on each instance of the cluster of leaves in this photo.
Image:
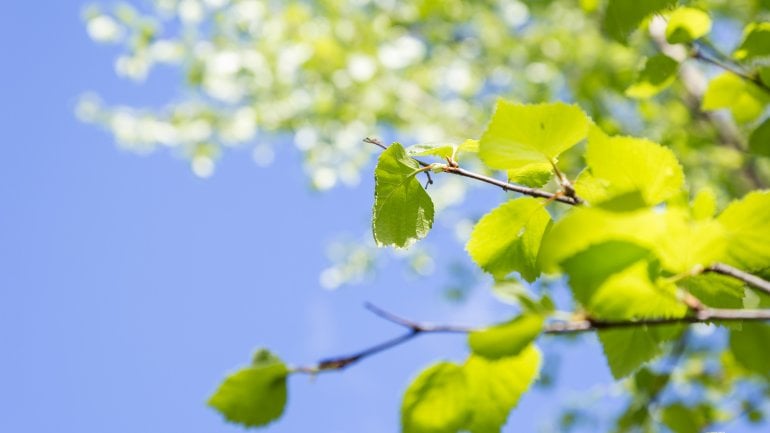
(633, 247)
(637, 243)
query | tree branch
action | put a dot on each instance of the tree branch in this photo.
(750, 279)
(416, 329)
(506, 186)
(697, 54)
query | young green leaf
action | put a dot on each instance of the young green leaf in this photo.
(658, 73)
(747, 223)
(523, 134)
(627, 165)
(686, 25)
(532, 175)
(759, 140)
(255, 395)
(403, 211)
(628, 349)
(622, 17)
(756, 42)
(745, 100)
(715, 290)
(682, 419)
(506, 339)
(441, 150)
(747, 346)
(437, 401)
(495, 387)
(704, 205)
(508, 238)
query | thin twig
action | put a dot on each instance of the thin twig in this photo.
(750, 279)
(506, 186)
(697, 54)
(416, 329)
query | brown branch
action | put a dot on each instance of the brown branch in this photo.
(416, 329)
(750, 279)
(506, 186)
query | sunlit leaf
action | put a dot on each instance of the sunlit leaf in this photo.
(704, 205)
(533, 175)
(403, 211)
(495, 387)
(522, 134)
(622, 17)
(746, 345)
(254, 395)
(756, 42)
(506, 339)
(437, 401)
(686, 25)
(508, 238)
(747, 223)
(628, 349)
(759, 140)
(628, 165)
(745, 100)
(658, 73)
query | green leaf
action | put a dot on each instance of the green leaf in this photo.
(440, 150)
(747, 223)
(255, 395)
(715, 290)
(704, 205)
(523, 134)
(628, 349)
(745, 100)
(686, 25)
(403, 211)
(626, 165)
(682, 419)
(756, 42)
(508, 238)
(658, 73)
(612, 280)
(623, 16)
(583, 227)
(532, 175)
(759, 141)
(688, 243)
(495, 387)
(747, 346)
(506, 339)
(436, 401)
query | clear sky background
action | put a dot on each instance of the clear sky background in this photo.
(129, 287)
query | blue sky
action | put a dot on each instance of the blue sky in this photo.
(129, 287)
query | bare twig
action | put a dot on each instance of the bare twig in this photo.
(415, 329)
(750, 279)
(697, 54)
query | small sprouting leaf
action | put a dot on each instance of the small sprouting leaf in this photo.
(495, 387)
(440, 150)
(747, 223)
(746, 345)
(508, 238)
(622, 17)
(756, 42)
(627, 165)
(759, 140)
(506, 339)
(704, 205)
(745, 100)
(658, 73)
(403, 211)
(437, 401)
(532, 175)
(686, 25)
(254, 395)
(523, 134)
(628, 349)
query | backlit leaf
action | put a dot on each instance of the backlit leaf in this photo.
(658, 73)
(686, 25)
(756, 42)
(745, 100)
(508, 238)
(623, 16)
(403, 211)
(436, 401)
(506, 339)
(254, 395)
(747, 223)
